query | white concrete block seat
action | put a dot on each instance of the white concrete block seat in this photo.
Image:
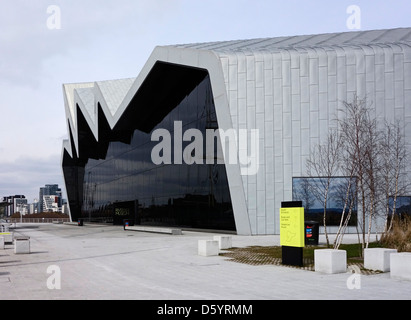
(378, 259)
(400, 265)
(21, 244)
(224, 242)
(330, 261)
(208, 248)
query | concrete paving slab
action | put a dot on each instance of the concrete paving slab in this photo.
(105, 262)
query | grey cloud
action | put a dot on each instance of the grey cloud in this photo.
(27, 174)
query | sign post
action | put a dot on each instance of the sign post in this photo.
(292, 237)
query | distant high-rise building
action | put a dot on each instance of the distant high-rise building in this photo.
(49, 190)
(14, 202)
(20, 205)
(50, 203)
(33, 207)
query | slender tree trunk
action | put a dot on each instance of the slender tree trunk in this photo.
(363, 215)
(397, 174)
(341, 230)
(370, 217)
(346, 224)
(325, 213)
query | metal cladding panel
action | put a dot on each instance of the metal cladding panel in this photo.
(114, 92)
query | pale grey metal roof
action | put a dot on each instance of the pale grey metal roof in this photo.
(376, 37)
(86, 96)
(114, 92)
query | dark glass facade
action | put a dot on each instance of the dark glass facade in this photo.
(402, 205)
(311, 191)
(118, 180)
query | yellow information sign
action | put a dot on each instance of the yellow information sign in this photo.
(292, 227)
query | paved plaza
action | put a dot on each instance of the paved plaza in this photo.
(106, 262)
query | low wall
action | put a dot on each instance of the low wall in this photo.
(38, 220)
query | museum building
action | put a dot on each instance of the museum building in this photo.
(153, 149)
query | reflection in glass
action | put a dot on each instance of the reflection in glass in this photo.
(311, 192)
(402, 206)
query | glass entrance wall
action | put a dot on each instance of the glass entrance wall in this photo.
(126, 184)
(402, 206)
(341, 194)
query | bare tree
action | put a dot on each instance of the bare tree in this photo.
(376, 158)
(372, 159)
(394, 156)
(348, 190)
(372, 172)
(304, 193)
(323, 163)
(358, 131)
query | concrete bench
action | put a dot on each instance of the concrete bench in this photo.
(330, 261)
(208, 248)
(400, 265)
(224, 242)
(378, 258)
(172, 231)
(8, 237)
(21, 244)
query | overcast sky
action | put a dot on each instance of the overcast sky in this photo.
(106, 39)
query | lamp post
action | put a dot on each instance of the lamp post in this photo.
(21, 212)
(19, 208)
